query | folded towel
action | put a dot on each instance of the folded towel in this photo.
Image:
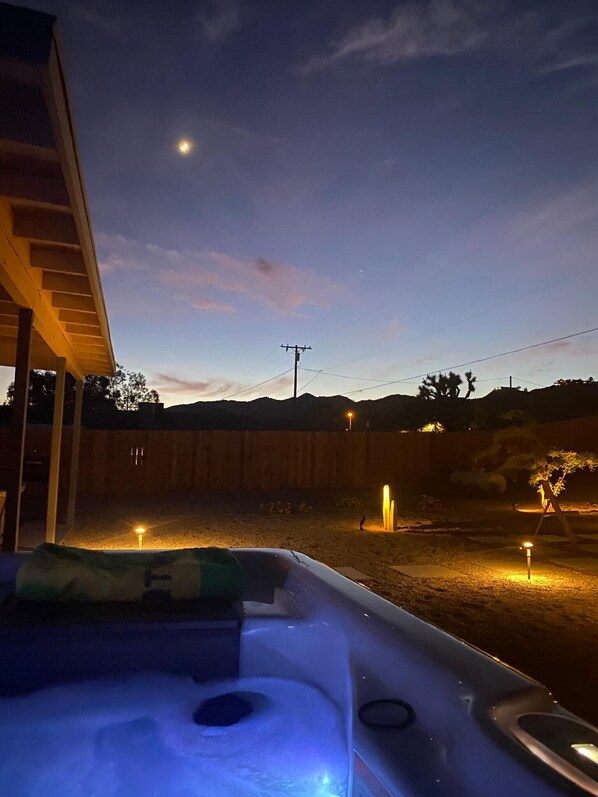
(58, 573)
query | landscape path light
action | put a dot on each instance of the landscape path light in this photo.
(140, 531)
(527, 547)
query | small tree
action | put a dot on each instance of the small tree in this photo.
(446, 386)
(519, 449)
(437, 386)
(471, 380)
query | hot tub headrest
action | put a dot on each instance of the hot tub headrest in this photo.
(59, 573)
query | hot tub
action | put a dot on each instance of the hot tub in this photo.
(348, 695)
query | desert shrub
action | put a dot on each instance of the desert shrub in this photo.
(427, 503)
(285, 507)
(349, 502)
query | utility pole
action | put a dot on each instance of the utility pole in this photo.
(510, 381)
(297, 350)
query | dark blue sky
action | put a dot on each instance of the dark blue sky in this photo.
(362, 175)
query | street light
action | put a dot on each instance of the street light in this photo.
(350, 417)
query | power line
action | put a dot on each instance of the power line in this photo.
(470, 317)
(259, 384)
(483, 359)
(347, 376)
(309, 381)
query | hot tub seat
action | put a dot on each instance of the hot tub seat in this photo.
(48, 643)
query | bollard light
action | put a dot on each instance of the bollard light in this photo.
(527, 547)
(140, 531)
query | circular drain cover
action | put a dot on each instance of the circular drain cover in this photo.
(391, 714)
(223, 710)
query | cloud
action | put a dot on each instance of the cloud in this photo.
(169, 383)
(194, 276)
(117, 253)
(574, 61)
(284, 288)
(218, 19)
(414, 31)
(217, 388)
(210, 304)
(444, 28)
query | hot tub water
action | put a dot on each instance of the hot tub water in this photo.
(135, 736)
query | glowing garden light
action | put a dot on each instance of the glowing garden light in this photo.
(140, 531)
(389, 512)
(350, 416)
(527, 547)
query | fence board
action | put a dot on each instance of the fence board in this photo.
(157, 461)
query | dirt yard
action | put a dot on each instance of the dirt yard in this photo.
(548, 628)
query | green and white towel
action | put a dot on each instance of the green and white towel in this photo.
(58, 573)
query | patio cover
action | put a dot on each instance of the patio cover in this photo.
(52, 312)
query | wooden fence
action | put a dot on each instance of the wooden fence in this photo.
(152, 462)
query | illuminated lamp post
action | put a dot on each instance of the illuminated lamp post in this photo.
(527, 546)
(350, 417)
(140, 531)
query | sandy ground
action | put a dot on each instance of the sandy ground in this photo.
(547, 628)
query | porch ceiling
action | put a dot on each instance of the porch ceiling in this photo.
(47, 255)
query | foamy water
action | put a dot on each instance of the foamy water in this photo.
(134, 736)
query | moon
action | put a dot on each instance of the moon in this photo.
(184, 146)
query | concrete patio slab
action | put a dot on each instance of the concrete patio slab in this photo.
(578, 563)
(353, 574)
(426, 571)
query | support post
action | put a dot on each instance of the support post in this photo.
(52, 509)
(18, 425)
(75, 444)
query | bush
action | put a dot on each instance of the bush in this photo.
(284, 507)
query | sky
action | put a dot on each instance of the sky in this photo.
(403, 186)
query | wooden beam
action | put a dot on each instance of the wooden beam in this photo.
(78, 317)
(41, 358)
(85, 343)
(66, 283)
(40, 224)
(23, 285)
(36, 189)
(8, 331)
(9, 320)
(75, 445)
(52, 508)
(69, 301)
(18, 425)
(8, 307)
(59, 109)
(51, 258)
(84, 329)
(19, 148)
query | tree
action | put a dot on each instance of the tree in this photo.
(436, 386)
(122, 391)
(129, 388)
(471, 379)
(518, 449)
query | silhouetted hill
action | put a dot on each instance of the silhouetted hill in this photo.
(391, 413)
